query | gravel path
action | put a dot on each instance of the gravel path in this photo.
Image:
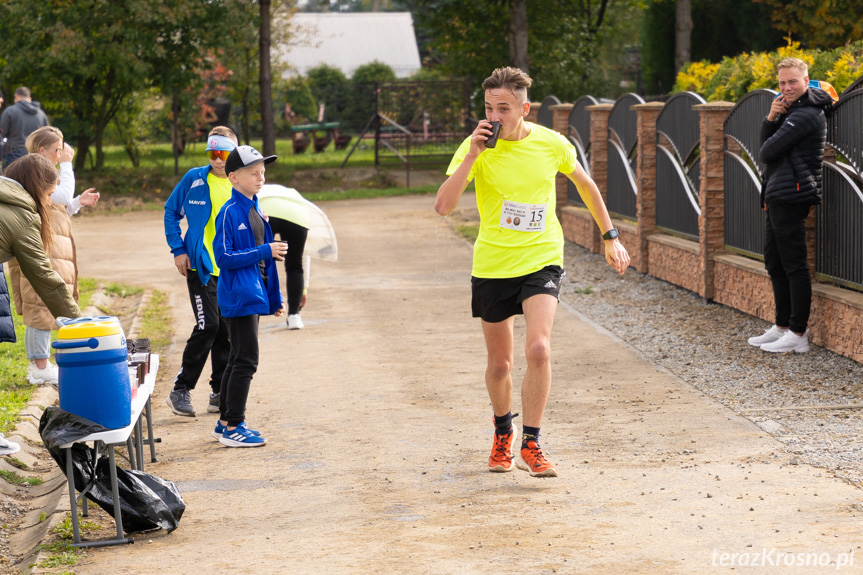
(705, 345)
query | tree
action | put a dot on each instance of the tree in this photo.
(822, 24)
(720, 28)
(361, 104)
(265, 82)
(86, 58)
(573, 46)
(189, 34)
(329, 86)
(518, 27)
(682, 33)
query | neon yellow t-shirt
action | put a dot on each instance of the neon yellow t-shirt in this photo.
(521, 171)
(220, 193)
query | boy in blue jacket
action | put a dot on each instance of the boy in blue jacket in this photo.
(249, 287)
(199, 197)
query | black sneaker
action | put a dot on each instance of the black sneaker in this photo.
(213, 407)
(180, 402)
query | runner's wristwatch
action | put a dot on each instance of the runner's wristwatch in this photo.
(611, 234)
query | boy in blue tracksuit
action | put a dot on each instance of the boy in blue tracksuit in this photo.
(249, 287)
(198, 198)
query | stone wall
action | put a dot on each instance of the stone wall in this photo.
(674, 260)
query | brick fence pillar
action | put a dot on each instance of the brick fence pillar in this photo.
(711, 194)
(599, 115)
(534, 112)
(560, 123)
(647, 115)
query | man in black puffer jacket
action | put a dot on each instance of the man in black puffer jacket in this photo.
(792, 148)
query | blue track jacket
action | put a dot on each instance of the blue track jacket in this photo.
(241, 290)
(190, 199)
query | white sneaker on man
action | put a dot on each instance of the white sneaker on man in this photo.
(769, 336)
(788, 343)
(51, 374)
(295, 322)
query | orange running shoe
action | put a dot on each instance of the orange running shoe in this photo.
(500, 460)
(531, 459)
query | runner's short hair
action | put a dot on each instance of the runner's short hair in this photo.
(22, 92)
(794, 63)
(511, 79)
(223, 131)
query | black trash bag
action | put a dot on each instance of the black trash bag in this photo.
(146, 501)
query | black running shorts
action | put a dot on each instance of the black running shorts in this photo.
(496, 299)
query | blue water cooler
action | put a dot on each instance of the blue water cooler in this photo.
(94, 380)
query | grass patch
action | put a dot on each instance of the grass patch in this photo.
(15, 462)
(154, 180)
(86, 288)
(122, 290)
(63, 530)
(468, 231)
(156, 322)
(15, 391)
(15, 479)
(69, 558)
(585, 291)
(61, 554)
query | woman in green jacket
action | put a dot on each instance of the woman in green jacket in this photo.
(25, 192)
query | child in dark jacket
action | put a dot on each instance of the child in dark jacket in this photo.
(248, 287)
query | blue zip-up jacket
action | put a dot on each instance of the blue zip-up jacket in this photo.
(241, 290)
(190, 199)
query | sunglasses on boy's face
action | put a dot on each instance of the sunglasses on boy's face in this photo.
(218, 154)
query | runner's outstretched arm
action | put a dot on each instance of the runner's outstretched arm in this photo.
(615, 254)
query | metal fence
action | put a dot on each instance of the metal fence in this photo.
(839, 219)
(856, 84)
(678, 168)
(579, 134)
(545, 116)
(622, 140)
(418, 124)
(744, 219)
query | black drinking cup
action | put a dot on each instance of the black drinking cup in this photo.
(495, 132)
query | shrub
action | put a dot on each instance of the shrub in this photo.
(732, 78)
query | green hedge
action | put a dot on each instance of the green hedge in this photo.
(731, 78)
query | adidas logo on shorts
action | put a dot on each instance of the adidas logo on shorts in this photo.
(550, 285)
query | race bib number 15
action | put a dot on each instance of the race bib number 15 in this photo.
(522, 217)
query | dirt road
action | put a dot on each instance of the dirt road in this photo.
(379, 429)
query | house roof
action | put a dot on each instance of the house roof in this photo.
(349, 40)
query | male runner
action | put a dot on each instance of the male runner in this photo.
(518, 255)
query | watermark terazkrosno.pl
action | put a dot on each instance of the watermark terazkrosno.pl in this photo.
(775, 558)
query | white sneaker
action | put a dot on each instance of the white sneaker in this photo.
(50, 374)
(787, 343)
(295, 322)
(769, 336)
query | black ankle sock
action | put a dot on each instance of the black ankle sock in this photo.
(503, 423)
(529, 433)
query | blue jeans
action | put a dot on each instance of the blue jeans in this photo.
(15, 154)
(37, 343)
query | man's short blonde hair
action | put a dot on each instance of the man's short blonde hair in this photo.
(511, 79)
(794, 63)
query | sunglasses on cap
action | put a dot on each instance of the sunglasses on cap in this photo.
(218, 154)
